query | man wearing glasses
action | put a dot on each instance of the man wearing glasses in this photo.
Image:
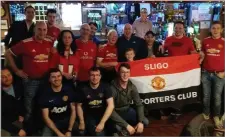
(127, 119)
(94, 28)
(96, 98)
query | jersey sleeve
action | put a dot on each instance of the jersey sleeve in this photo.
(76, 62)
(43, 101)
(203, 46)
(166, 43)
(18, 49)
(191, 45)
(80, 96)
(71, 95)
(101, 53)
(108, 92)
(54, 60)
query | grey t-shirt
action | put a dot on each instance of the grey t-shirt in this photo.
(140, 28)
(150, 52)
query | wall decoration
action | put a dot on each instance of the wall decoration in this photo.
(2, 11)
(4, 24)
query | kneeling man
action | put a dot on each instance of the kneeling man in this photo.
(97, 101)
(58, 107)
(124, 92)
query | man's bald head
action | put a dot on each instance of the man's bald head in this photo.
(40, 30)
(128, 30)
(85, 30)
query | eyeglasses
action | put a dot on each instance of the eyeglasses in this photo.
(85, 29)
(93, 75)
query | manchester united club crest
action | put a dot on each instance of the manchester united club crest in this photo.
(158, 83)
(220, 46)
(100, 95)
(65, 98)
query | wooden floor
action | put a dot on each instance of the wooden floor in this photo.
(168, 127)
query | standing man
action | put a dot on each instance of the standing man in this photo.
(21, 30)
(143, 24)
(53, 31)
(58, 107)
(92, 37)
(128, 40)
(98, 105)
(94, 28)
(213, 79)
(107, 57)
(87, 51)
(178, 44)
(35, 54)
(124, 92)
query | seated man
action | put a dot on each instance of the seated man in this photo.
(58, 108)
(12, 106)
(124, 92)
(98, 105)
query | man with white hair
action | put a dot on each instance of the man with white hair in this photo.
(35, 53)
(87, 51)
(107, 57)
(128, 40)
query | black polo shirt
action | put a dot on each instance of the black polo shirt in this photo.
(138, 44)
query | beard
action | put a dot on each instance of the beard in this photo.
(94, 83)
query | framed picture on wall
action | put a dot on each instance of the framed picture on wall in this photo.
(4, 24)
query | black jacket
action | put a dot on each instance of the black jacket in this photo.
(122, 100)
(156, 51)
(138, 44)
(18, 31)
(12, 108)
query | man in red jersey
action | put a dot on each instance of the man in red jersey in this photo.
(35, 52)
(213, 72)
(178, 44)
(53, 31)
(107, 57)
(87, 51)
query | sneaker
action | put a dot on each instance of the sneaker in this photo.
(218, 122)
(206, 117)
(124, 132)
(223, 117)
(115, 134)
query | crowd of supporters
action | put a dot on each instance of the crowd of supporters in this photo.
(74, 87)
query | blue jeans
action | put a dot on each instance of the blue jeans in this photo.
(131, 117)
(62, 125)
(30, 90)
(92, 122)
(212, 84)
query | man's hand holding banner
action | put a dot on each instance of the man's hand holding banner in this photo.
(168, 81)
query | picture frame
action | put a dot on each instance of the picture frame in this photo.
(4, 24)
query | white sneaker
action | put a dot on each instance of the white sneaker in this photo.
(218, 122)
(206, 117)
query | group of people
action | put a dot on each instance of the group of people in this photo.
(78, 76)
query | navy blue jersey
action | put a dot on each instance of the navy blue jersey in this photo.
(94, 100)
(58, 103)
